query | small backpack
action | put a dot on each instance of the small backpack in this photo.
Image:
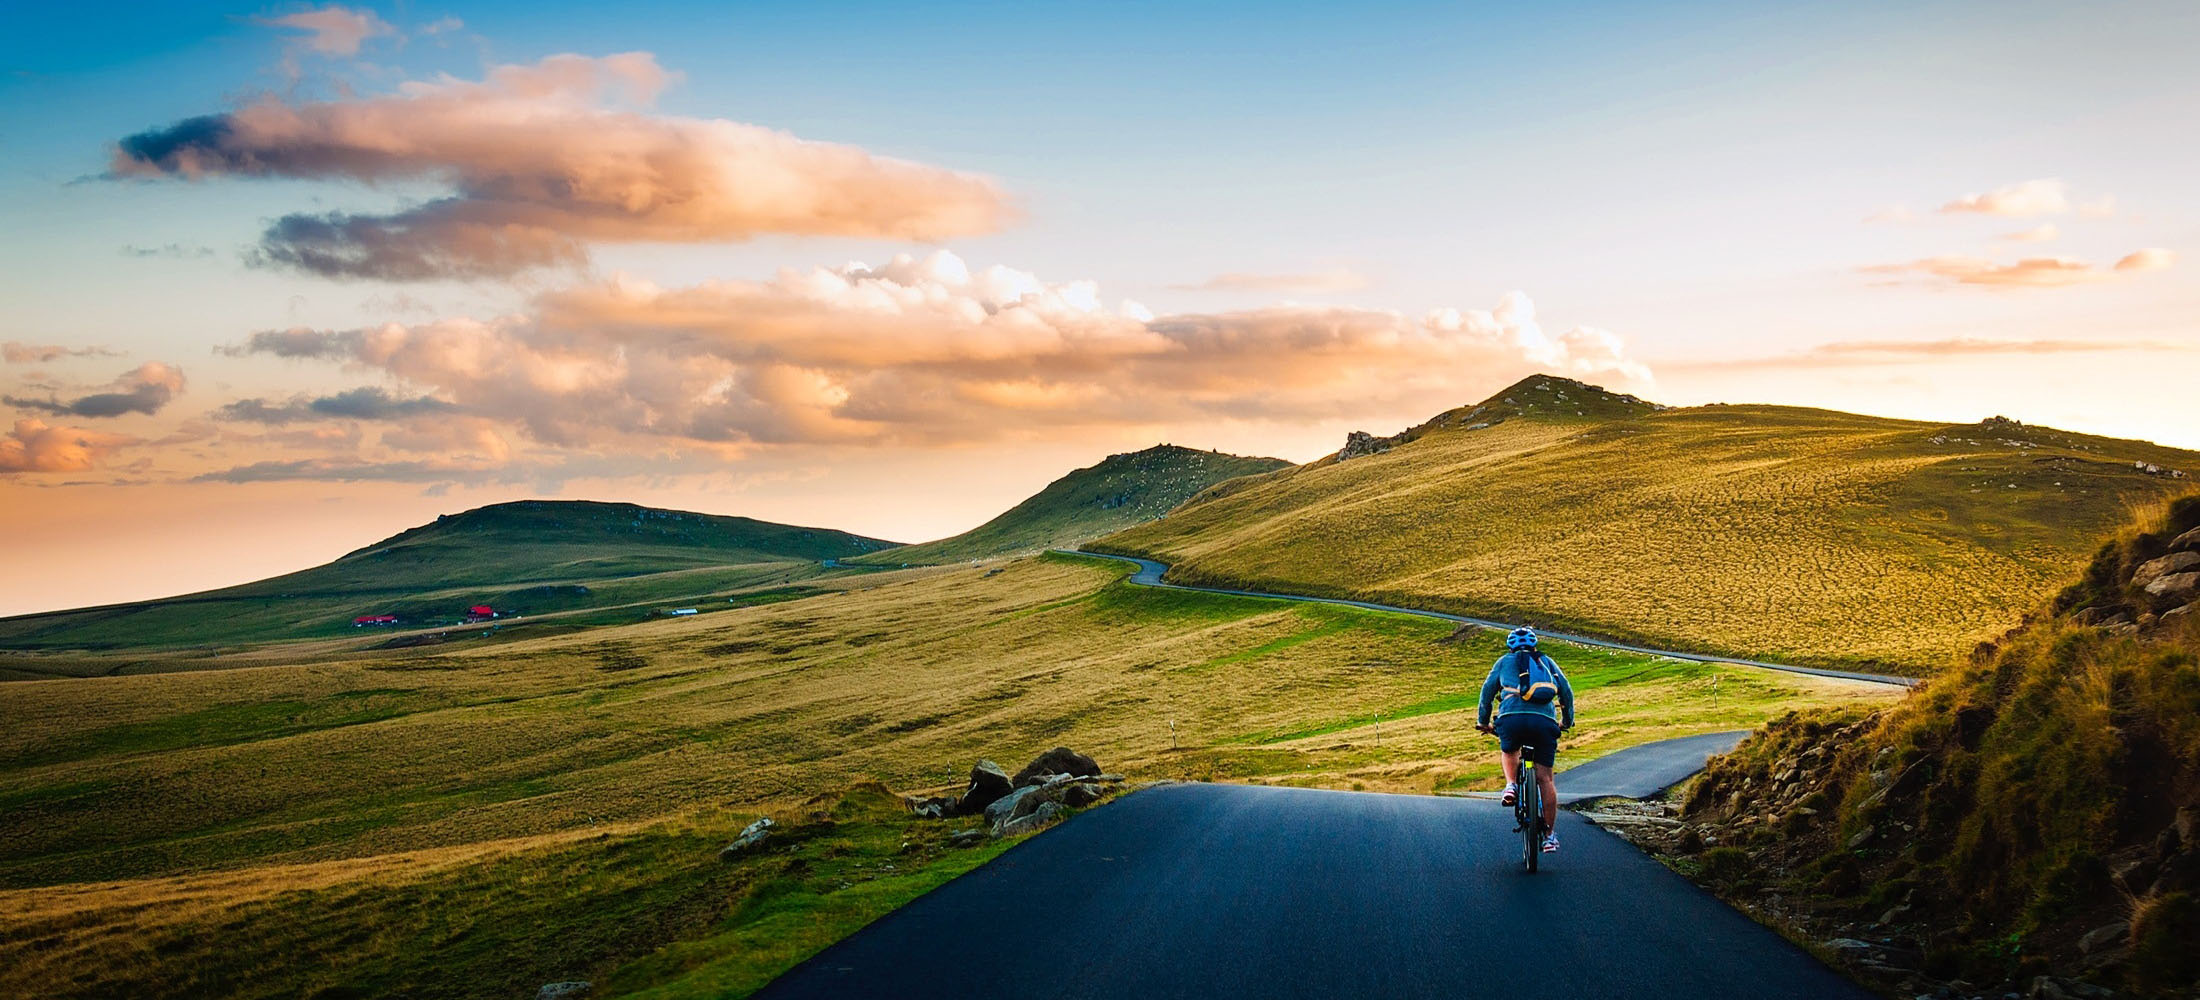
(1537, 685)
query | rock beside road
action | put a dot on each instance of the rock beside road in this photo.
(751, 838)
(1060, 760)
(988, 782)
(1045, 790)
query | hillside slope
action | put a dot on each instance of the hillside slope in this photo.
(530, 556)
(1120, 491)
(1785, 532)
(2036, 812)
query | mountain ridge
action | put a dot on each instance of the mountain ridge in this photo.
(1085, 503)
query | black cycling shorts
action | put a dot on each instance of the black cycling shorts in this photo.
(1538, 733)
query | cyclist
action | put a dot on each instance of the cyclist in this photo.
(1524, 722)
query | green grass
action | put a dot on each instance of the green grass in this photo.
(358, 776)
(641, 912)
(1756, 531)
(1119, 492)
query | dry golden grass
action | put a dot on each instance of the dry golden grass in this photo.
(1745, 530)
(147, 806)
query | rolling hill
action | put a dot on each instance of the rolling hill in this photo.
(1120, 491)
(529, 556)
(1803, 534)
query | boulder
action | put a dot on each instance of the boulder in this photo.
(966, 838)
(2104, 937)
(752, 836)
(1047, 813)
(932, 807)
(988, 782)
(564, 991)
(1081, 794)
(2175, 585)
(2187, 542)
(2155, 569)
(1060, 760)
(1002, 808)
(2177, 612)
(1849, 948)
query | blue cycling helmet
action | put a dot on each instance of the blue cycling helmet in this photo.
(1521, 638)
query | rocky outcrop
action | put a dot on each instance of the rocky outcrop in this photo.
(573, 990)
(2175, 563)
(1358, 444)
(2175, 586)
(1046, 789)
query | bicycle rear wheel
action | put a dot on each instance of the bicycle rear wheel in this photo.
(1531, 818)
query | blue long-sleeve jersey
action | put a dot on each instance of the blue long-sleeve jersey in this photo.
(1503, 675)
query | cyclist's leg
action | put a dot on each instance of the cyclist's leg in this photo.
(1547, 758)
(1508, 750)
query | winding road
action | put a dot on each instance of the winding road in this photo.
(1207, 891)
(1149, 574)
(1212, 891)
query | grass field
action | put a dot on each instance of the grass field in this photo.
(376, 809)
(1765, 531)
(533, 557)
(1119, 492)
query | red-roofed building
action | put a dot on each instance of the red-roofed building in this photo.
(480, 612)
(374, 620)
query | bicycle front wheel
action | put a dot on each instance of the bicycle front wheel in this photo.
(1531, 820)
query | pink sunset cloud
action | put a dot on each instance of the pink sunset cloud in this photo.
(2028, 272)
(34, 445)
(544, 160)
(333, 30)
(929, 351)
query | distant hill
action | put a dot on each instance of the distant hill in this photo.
(1119, 492)
(529, 557)
(1798, 533)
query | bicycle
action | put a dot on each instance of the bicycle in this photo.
(1527, 809)
(1528, 814)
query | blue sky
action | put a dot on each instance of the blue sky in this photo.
(1691, 181)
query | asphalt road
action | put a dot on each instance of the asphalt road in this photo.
(1149, 574)
(1213, 891)
(1641, 771)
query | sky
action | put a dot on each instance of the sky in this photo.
(283, 280)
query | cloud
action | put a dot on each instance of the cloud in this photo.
(2029, 272)
(36, 446)
(1894, 214)
(2038, 197)
(333, 30)
(19, 353)
(1313, 283)
(540, 163)
(926, 351)
(363, 403)
(1851, 353)
(296, 342)
(343, 470)
(2043, 233)
(2149, 259)
(144, 389)
(173, 251)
